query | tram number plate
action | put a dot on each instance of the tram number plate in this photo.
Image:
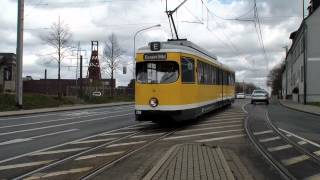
(155, 56)
(138, 112)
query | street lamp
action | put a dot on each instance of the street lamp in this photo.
(134, 46)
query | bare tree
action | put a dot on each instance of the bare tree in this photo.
(274, 79)
(59, 38)
(111, 57)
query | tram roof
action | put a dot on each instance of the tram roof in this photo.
(184, 45)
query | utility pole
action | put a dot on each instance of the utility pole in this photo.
(19, 85)
(45, 79)
(80, 90)
(302, 10)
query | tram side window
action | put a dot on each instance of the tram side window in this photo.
(187, 70)
(200, 73)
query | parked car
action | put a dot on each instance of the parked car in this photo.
(259, 96)
(240, 96)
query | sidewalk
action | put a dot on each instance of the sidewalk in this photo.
(301, 107)
(196, 161)
(61, 108)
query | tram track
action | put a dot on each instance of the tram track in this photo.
(148, 133)
(291, 158)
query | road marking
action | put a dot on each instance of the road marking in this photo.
(235, 116)
(118, 133)
(313, 177)
(269, 139)
(299, 137)
(125, 144)
(279, 148)
(317, 153)
(60, 145)
(93, 141)
(58, 125)
(222, 119)
(58, 173)
(262, 132)
(58, 151)
(221, 138)
(58, 120)
(99, 155)
(216, 123)
(59, 113)
(14, 166)
(201, 134)
(217, 127)
(147, 135)
(14, 141)
(302, 142)
(294, 160)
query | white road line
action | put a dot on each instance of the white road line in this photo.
(222, 119)
(299, 137)
(58, 151)
(93, 141)
(126, 144)
(294, 160)
(216, 123)
(58, 125)
(53, 114)
(208, 128)
(58, 120)
(60, 145)
(313, 177)
(201, 134)
(117, 133)
(14, 166)
(269, 139)
(221, 138)
(58, 173)
(147, 135)
(302, 142)
(279, 148)
(99, 155)
(234, 116)
(14, 141)
(317, 153)
(263, 132)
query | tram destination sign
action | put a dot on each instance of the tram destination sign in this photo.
(155, 56)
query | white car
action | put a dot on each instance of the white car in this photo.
(240, 96)
(259, 96)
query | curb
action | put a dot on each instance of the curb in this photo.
(292, 108)
(60, 109)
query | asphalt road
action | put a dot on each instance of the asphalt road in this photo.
(24, 134)
(28, 143)
(290, 137)
(303, 124)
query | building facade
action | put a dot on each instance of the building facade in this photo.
(300, 79)
(8, 69)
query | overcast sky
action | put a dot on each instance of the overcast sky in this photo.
(235, 42)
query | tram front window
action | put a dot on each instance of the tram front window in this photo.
(157, 72)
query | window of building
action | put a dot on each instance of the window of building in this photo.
(187, 70)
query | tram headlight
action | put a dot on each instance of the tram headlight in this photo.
(153, 102)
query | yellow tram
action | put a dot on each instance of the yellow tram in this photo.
(178, 80)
